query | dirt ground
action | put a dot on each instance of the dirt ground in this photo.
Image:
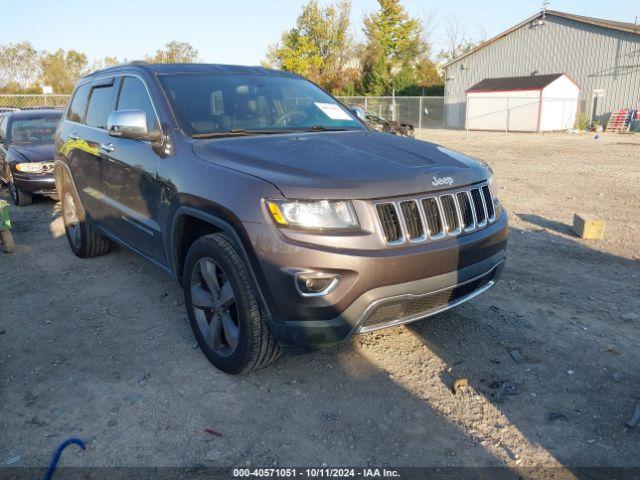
(101, 349)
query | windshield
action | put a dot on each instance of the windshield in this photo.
(34, 129)
(218, 103)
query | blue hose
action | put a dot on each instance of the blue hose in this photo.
(56, 456)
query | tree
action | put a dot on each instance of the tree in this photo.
(175, 52)
(105, 62)
(319, 47)
(111, 62)
(61, 69)
(428, 79)
(464, 46)
(19, 66)
(396, 50)
(457, 41)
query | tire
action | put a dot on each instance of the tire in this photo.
(84, 240)
(231, 332)
(18, 196)
(7, 240)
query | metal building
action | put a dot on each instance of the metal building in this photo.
(602, 56)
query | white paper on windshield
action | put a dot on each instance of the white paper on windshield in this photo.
(333, 111)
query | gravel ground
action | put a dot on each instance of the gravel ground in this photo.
(102, 349)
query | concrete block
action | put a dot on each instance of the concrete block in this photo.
(587, 226)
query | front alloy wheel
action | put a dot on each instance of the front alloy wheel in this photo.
(214, 307)
(223, 307)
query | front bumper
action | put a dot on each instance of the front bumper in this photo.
(395, 305)
(379, 288)
(36, 183)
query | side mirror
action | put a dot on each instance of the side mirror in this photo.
(130, 124)
(358, 112)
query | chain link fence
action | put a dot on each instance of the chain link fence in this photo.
(421, 112)
(23, 101)
(487, 113)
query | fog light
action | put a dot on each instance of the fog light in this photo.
(316, 284)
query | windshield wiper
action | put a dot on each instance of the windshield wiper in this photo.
(237, 132)
(240, 132)
(322, 128)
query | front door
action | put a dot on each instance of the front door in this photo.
(129, 178)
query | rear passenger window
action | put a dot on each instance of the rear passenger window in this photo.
(78, 104)
(99, 108)
(134, 96)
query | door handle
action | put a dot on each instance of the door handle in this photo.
(74, 136)
(107, 147)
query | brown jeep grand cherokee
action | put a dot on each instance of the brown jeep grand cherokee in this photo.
(287, 222)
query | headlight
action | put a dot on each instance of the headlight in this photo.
(35, 167)
(313, 214)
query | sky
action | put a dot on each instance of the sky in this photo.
(239, 32)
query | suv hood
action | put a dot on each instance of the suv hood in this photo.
(35, 152)
(343, 165)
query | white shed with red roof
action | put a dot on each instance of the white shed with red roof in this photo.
(535, 103)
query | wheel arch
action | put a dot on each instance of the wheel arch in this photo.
(190, 223)
(62, 174)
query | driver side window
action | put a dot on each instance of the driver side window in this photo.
(134, 96)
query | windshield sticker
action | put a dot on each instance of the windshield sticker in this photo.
(333, 111)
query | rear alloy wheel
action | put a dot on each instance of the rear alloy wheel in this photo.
(71, 221)
(223, 308)
(83, 239)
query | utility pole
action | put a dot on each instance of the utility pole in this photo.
(395, 69)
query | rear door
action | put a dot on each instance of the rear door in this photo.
(82, 134)
(129, 177)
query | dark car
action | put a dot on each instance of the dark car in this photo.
(26, 153)
(286, 220)
(380, 124)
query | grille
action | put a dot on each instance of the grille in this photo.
(412, 219)
(481, 215)
(450, 213)
(390, 222)
(465, 210)
(432, 216)
(489, 203)
(415, 308)
(437, 216)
